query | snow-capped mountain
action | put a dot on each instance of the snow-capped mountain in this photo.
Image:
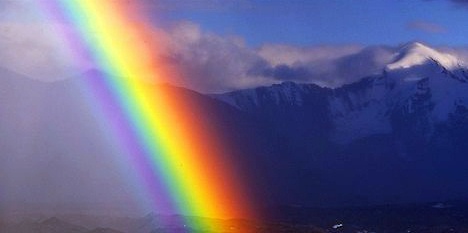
(358, 142)
(413, 54)
(420, 82)
(286, 93)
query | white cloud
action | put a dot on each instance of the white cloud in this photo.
(211, 63)
(286, 54)
(35, 50)
(33, 45)
(206, 61)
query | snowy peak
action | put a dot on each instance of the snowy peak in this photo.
(283, 94)
(415, 54)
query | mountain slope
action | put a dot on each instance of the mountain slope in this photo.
(51, 225)
(396, 136)
(418, 79)
(59, 152)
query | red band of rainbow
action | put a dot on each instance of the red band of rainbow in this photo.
(183, 161)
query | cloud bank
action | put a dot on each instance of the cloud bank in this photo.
(207, 62)
(212, 63)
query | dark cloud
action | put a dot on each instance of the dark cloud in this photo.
(285, 73)
(327, 66)
(281, 72)
(368, 61)
(211, 63)
(427, 27)
(206, 61)
(463, 3)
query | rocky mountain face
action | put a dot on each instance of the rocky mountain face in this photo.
(420, 81)
(396, 136)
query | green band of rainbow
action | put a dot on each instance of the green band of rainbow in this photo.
(187, 169)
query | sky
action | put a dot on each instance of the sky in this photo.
(220, 46)
(302, 22)
(318, 41)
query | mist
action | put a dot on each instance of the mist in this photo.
(56, 153)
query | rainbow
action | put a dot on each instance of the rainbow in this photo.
(185, 165)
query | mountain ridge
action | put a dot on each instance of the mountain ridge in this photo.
(417, 72)
(405, 127)
(398, 136)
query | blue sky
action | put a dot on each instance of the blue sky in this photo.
(313, 22)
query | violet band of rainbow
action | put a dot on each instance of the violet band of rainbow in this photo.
(182, 160)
